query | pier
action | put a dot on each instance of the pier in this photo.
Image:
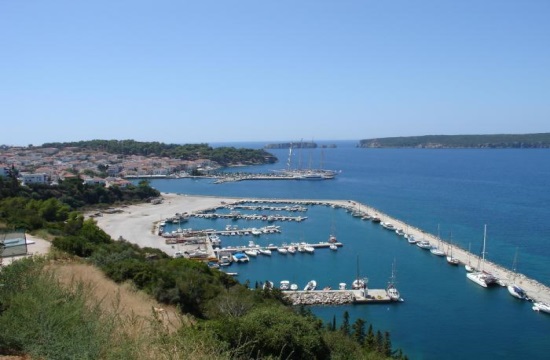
(337, 297)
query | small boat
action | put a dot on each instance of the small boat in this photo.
(309, 249)
(376, 219)
(311, 285)
(225, 261)
(293, 287)
(358, 284)
(400, 232)
(333, 247)
(540, 306)
(255, 232)
(291, 250)
(424, 244)
(387, 225)
(451, 260)
(301, 249)
(391, 290)
(411, 239)
(514, 289)
(437, 252)
(264, 251)
(284, 285)
(240, 257)
(282, 250)
(468, 266)
(517, 292)
(251, 252)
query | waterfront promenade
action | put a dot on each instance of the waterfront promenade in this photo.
(138, 224)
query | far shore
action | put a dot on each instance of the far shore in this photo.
(138, 224)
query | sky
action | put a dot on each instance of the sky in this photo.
(237, 70)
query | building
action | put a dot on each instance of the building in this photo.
(40, 178)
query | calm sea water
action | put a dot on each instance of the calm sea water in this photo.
(444, 316)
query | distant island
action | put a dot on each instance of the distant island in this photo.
(298, 145)
(497, 141)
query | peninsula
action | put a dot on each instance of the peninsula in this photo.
(496, 141)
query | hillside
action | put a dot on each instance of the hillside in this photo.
(497, 141)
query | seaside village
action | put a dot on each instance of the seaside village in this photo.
(49, 165)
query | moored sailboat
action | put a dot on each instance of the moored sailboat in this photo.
(391, 290)
(482, 277)
(514, 289)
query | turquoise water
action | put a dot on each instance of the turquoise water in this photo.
(444, 316)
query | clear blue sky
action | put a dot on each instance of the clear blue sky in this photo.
(236, 70)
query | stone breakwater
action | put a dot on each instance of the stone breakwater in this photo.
(320, 297)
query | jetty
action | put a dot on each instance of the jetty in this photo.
(337, 297)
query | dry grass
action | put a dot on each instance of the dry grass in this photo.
(123, 301)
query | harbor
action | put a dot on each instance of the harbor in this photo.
(535, 290)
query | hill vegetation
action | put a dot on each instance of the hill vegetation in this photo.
(45, 318)
(224, 156)
(541, 140)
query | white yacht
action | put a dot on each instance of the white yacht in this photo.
(517, 292)
(540, 306)
(284, 285)
(309, 249)
(291, 250)
(251, 252)
(264, 251)
(333, 247)
(311, 285)
(391, 290)
(388, 225)
(282, 250)
(424, 244)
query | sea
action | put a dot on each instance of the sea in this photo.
(453, 192)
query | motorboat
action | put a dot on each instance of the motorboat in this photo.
(309, 249)
(333, 247)
(517, 292)
(264, 251)
(225, 261)
(424, 244)
(284, 285)
(387, 225)
(540, 306)
(400, 232)
(240, 257)
(311, 285)
(282, 250)
(251, 252)
(291, 250)
(411, 239)
(293, 287)
(437, 251)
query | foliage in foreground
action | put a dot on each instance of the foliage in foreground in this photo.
(42, 319)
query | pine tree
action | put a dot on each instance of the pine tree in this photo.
(345, 324)
(370, 340)
(379, 343)
(359, 330)
(333, 322)
(386, 346)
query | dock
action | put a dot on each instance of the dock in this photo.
(337, 297)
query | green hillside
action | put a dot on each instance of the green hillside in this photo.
(497, 141)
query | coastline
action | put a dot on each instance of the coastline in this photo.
(137, 224)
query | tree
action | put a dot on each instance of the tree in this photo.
(386, 345)
(345, 324)
(359, 330)
(370, 340)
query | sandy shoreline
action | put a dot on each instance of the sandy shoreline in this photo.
(137, 224)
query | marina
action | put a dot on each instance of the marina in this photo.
(432, 242)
